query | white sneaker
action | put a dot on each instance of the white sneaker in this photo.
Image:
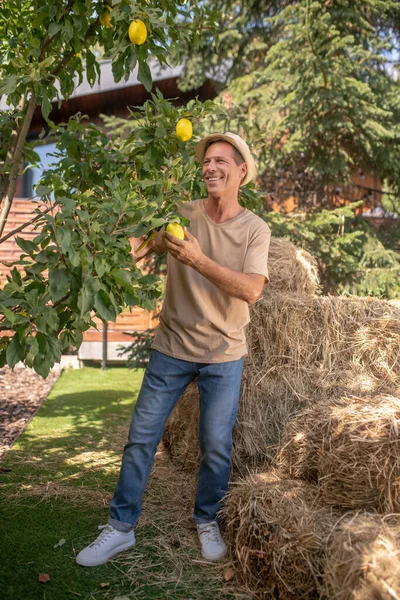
(109, 542)
(212, 545)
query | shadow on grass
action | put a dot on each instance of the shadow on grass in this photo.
(62, 471)
(77, 438)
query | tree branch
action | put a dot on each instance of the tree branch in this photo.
(4, 180)
(71, 53)
(46, 43)
(14, 231)
(16, 161)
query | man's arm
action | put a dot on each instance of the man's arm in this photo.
(246, 286)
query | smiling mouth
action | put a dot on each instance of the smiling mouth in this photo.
(214, 179)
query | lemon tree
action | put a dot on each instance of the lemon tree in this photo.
(103, 188)
(79, 265)
(46, 48)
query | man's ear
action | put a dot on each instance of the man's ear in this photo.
(244, 169)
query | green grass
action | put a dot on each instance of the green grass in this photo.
(63, 470)
(82, 407)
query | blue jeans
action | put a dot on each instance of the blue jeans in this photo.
(165, 380)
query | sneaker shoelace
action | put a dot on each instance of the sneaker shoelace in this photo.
(104, 535)
(211, 532)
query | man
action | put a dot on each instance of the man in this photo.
(213, 275)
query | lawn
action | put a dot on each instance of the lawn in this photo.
(56, 483)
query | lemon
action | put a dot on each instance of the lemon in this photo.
(176, 230)
(105, 17)
(137, 32)
(184, 129)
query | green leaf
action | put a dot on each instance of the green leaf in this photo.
(90, 70)
(73, 256)
(67, 85)
(33, 350)
(46, 105)
(122, 277)
(144, 75)
(32, 298)
(68, 30)
(64, 238)
(66, 338)
(49, 353)
(60, 281)
(9, 84)
(9, 315)
(42, 365)
(85, 301)
(54, 348)
(48, 321)
(15, 352)
(101, 266)
(26, 245)
(42, 190)
(104, 306)
(67, 202)
(54, 28)
(15, 277)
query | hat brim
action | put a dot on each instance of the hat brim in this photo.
(235, 141)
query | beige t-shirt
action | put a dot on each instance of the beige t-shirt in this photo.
(198, 321)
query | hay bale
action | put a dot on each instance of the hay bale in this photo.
(303, 350)
(333, 342)
(291, 269)
(277, 530)
(181, 432)
(351, 448)
(363, 559)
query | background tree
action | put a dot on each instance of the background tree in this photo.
(314, 85)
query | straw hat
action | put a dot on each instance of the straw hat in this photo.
(237, 142)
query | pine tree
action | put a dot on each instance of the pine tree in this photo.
(314, 87)
(311, 79)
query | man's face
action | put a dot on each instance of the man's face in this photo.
(220, 171)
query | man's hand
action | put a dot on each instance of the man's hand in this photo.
(156, 245)
(187, 251)
(246, 286)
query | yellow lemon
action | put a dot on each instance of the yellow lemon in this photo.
(176, 230)
(137, 32)
(105, 17)
(184, 129)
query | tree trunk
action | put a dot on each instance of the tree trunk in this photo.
(4, 179)
(16, 161)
